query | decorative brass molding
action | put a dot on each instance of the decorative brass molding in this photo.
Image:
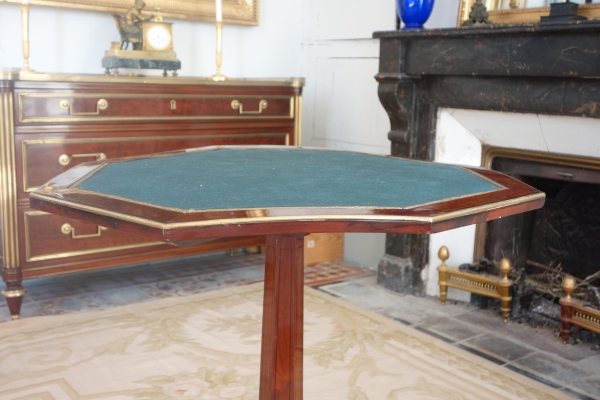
(489, 286)
(239, 12)
(588, 318)
(251, 220)
(137, 54)
(521, 15)
(8, 183)
(14, 293)
(34, 142)
(13, 74)
(94, 116)
(488, 153)
(9, 74)
(298, 121)
(29, 258)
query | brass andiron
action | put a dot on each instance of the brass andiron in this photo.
(494, 287)
(25, 37)
(443, 254)
(218, 76)
(575, 312)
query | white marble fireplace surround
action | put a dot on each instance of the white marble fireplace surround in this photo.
(460, 135)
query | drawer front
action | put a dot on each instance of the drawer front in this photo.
(43, 159)
(53, 237)
(105, 107)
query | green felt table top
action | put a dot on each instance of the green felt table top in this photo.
(246, 178)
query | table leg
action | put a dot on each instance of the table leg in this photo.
(283, 319)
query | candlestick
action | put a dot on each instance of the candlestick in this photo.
(25, 36)
(218, 76)
(219, 9)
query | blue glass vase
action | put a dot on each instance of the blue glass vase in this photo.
(414, 13)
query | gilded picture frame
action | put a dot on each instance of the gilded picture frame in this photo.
(520, 15)
(241, 12)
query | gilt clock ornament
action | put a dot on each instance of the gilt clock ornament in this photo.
(151, 42)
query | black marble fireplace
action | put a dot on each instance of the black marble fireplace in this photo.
(550, 69)
(565, 234)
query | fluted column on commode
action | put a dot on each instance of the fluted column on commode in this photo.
(11, 272)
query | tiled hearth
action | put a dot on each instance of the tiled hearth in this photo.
(536, 353)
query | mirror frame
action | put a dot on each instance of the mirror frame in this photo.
(521, 15)
(240, 12)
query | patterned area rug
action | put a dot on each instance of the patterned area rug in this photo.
(207, 346)
(328, 272)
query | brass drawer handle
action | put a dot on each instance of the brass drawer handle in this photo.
(236, 105)
(65, 159)
(68, 229)
(101, 105)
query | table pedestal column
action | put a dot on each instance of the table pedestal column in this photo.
(283, 319)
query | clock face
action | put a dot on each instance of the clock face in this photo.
(158, 37)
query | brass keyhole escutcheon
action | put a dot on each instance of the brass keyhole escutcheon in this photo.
(173, 104)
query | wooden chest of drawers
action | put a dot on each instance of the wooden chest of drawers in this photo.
(50, 123)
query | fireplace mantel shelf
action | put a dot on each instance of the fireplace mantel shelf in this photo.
(551, 69)
(569, 50)
(493, 30)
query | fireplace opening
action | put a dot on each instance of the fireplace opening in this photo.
(560, 239)
(564, 235)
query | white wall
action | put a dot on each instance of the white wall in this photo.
(72, 41)
(341, 107)
(327, 41)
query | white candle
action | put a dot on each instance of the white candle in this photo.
(219, 7)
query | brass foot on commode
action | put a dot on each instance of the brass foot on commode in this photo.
(14, 297)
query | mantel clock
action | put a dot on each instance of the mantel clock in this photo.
(157, 36)
(150, 38)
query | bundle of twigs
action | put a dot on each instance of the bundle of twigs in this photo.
(549, 282)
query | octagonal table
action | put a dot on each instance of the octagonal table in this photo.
(192, 196)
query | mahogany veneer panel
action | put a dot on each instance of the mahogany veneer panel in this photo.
(142, 116)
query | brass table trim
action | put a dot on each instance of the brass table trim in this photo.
(26, 142)
(250, 220)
